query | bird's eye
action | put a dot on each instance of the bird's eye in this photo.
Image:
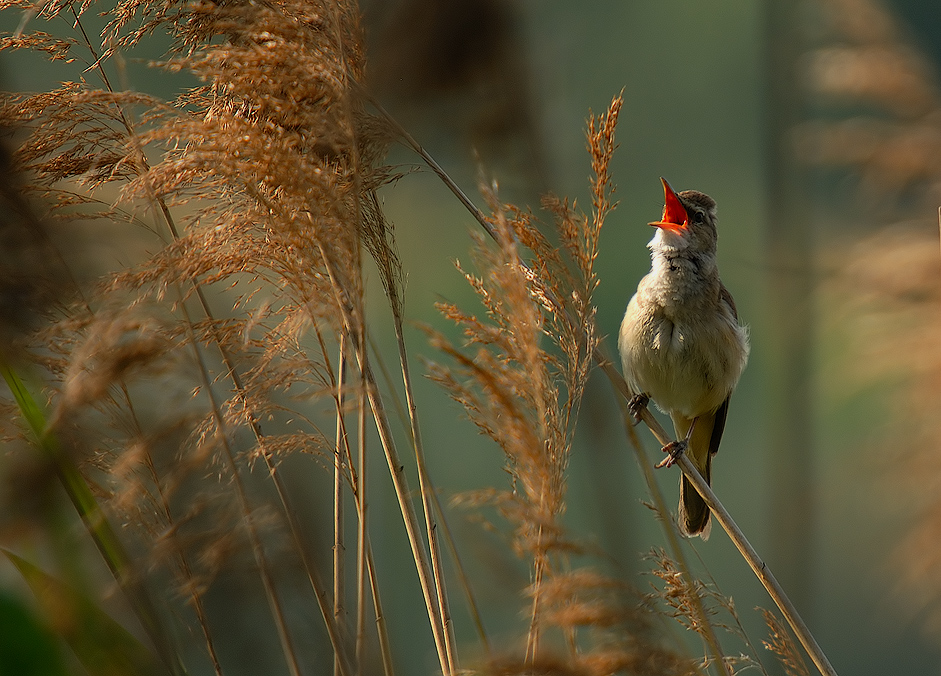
(699, 217)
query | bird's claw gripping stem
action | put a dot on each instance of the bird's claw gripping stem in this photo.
(674, 450)
(636, 406)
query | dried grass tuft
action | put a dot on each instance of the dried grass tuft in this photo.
(781, 644)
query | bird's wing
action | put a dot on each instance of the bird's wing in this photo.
(724, 295)
(718, 426)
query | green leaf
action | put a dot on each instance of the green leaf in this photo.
(28, 648)
(102, 645)
(93, 516)
(76, 487)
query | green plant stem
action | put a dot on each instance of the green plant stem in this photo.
(94, 519)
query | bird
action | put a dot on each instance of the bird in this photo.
(681, 343)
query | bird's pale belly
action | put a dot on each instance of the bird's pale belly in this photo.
(684, 371)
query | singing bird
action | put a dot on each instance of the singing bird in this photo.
(681, 342)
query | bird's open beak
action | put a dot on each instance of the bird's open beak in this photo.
(674, 213)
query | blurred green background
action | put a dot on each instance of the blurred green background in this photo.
(809, 465)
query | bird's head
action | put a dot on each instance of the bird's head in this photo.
(688, 222)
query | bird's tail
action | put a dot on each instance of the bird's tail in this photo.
(694, 513)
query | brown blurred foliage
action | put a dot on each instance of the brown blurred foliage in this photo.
(881, 120)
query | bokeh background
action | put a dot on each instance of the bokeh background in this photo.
(816, 126)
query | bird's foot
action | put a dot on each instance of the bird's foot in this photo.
(636, 406)
(674, 450)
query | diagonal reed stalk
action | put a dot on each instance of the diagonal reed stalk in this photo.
(669, 530)
(385, 647)
(759, 567)
(672, 535)
(364, 558)
(363, 554)
(195, 597)
(459, 570)
(378, 240)
(288, 513)
(261, 560)
(427, 492)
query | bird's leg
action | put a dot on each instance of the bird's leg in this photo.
(675, 449)
(636, 406)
